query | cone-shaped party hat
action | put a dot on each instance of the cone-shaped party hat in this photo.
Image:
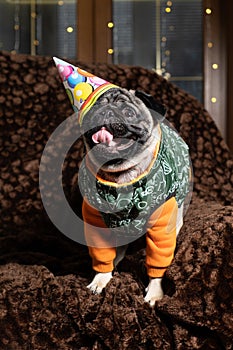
(82, 88)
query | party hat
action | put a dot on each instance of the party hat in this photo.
(82, 88)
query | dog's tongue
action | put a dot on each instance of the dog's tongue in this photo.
(102, 136)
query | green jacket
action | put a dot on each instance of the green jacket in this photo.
(128, 207)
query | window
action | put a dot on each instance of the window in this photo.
(43, 27)
(161, 35)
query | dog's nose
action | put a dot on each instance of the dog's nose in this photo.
(119, 129)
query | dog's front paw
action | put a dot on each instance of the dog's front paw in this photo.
(154, 291)
(99, 282)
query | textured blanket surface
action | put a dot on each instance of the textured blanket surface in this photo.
(44, 302)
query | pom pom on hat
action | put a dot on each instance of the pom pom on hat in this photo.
(82, 88)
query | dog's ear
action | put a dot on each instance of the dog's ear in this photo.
(151, 103)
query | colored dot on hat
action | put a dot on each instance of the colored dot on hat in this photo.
(74, 79)
(82, 91)
(84, 73)
(97, 81)
(65, 71)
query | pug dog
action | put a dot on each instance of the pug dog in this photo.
(135, 178)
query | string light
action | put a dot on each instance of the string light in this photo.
(165, 51)
(110, 24)
(215, 66)
(208, 11)
(69, 29)
(16, 28)
(110, 51)
(168, 9)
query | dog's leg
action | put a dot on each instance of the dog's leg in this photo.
(179, 220)
(101, 279)
(165, 223)
(120, 254)
(102, 258)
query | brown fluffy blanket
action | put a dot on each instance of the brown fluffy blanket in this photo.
(44, 302)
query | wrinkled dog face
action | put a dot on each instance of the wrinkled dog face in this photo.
(117, 127)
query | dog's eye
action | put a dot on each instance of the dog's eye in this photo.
(129, 112)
